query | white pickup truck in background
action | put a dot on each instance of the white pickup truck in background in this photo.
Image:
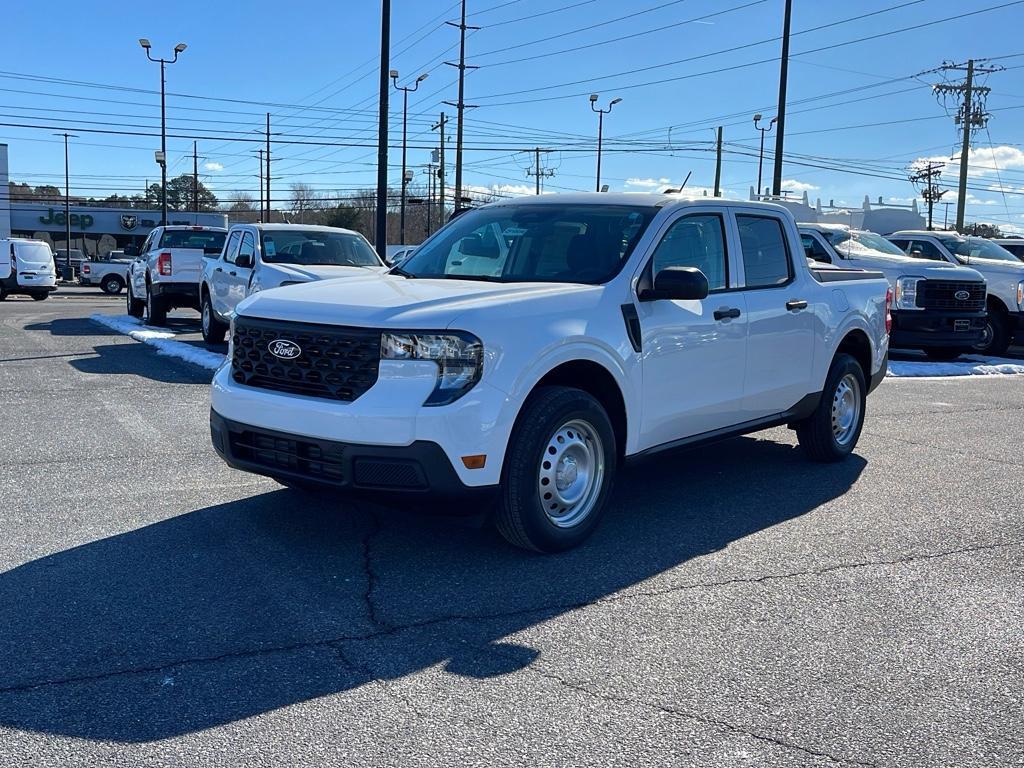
(1003, 273)
(166, 271)
(261, 256)
(109, 272)
(937, 308)
(530, 346)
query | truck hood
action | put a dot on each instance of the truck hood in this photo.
(392, 301)
(306, 273)
(990, 266)
(897, 266)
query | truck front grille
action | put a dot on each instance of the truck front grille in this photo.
(941, 294)
(313, 459)
(328, 361)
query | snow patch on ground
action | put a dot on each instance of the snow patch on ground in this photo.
(971, 365)
(161, 339)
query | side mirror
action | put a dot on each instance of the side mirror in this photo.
(131, 250)
(244, 261)
(677, 283)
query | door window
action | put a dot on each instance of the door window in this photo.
(696, 241)
(814, 249)
(231, 249)
(248, 248)
(765, 256)
(922, 249)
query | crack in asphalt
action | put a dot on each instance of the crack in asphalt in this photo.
(386, 629)
(368, 570)
(946, 448)
(693, 716)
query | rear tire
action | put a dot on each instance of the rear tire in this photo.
(156, 309)
(136, 308)
(559, 470)
(943, 354)
(213, 329)
(112, 285)
(831, 432)
(40, 296)
(997, 335)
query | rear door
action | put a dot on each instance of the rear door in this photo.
(780, 316)
(238, 277)
(694, 352)
(220, 277)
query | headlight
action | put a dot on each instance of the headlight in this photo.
(1020, 295)
(459, 357)
(906, 293)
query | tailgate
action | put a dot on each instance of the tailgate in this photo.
(186, 265)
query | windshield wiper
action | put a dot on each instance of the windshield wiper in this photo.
(402, 273)
(481, 278)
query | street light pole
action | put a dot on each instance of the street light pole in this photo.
(600, 131)
(163, 120)
(760, 159)
(406, 90)
(67, 205)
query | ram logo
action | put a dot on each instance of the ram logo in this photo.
(962, 295)
(129, 221)
(284, 349)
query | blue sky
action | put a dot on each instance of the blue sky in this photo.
(313, 65)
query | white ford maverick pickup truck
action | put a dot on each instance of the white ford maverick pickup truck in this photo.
(531, 346)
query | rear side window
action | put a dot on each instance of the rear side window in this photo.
(766, 260)
(232, 250)
(696, 241)
(814, 249)
(248, 247)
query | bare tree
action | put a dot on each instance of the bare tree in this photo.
(304, 200)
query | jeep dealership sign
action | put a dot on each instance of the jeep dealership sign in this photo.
(46, 217)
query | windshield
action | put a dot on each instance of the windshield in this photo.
(876, 243)
(977, 248)
(204, 240)
(33, 253)
(311, 247)
(552, 243)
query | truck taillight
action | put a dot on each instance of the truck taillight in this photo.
(86, 269)
(163, 263)
(888, 310)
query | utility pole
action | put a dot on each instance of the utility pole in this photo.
(431, 178)
(970, 116)
(69, 273)
(266, 159)
(718, 164)
(260, 152)
(460, 105)
(440, 171)
(929, 177)
(781, 120)
(537, 170)
(195, 178)
(382, 131)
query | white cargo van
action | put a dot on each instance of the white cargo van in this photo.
(26, 267)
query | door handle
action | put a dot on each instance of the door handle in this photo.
(727, 314)
(796, 304)
(233, 274)
(218, 269)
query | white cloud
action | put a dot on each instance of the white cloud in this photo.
(213, 166)
(982, 161)
(639, 183)
(498, 190)
(798, 186)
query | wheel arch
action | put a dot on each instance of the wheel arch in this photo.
(856, 343)
(597, 381)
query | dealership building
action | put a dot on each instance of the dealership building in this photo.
(95, 230)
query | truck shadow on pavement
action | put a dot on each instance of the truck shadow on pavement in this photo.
(242, 608)
(130, 360)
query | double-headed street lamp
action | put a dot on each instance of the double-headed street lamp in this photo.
(600, 131)
(760, 159)
(163, 122)
(406, 90)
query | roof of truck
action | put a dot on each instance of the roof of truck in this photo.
(634, 199)
(293, 227)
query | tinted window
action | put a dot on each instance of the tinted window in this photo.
(232, 250)
(248, 247)
(814, 249)
(308, 247)
(695, 241)
(922, 249)
(551, 242)
(209, 242)
(765, 256)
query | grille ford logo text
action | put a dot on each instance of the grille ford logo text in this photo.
(284, 349)
(962, 295)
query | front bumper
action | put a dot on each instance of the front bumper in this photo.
(419, 468)
(923, 329)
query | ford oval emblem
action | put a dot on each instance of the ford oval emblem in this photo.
(284, 349)
(962, 295)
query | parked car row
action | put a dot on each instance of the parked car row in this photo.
(953, 294)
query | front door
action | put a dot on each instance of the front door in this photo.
(220, 276)
(780, 318)
(238, 277)
(693, 352)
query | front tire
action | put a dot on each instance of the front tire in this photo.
(156, 309)
(40, 296)
(997, 335)
(213, 329)
(136, 308)
(559, 470)
(831, 432)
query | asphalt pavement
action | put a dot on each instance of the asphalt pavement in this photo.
(739, 606)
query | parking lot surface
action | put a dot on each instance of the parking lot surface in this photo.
(739, 606)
